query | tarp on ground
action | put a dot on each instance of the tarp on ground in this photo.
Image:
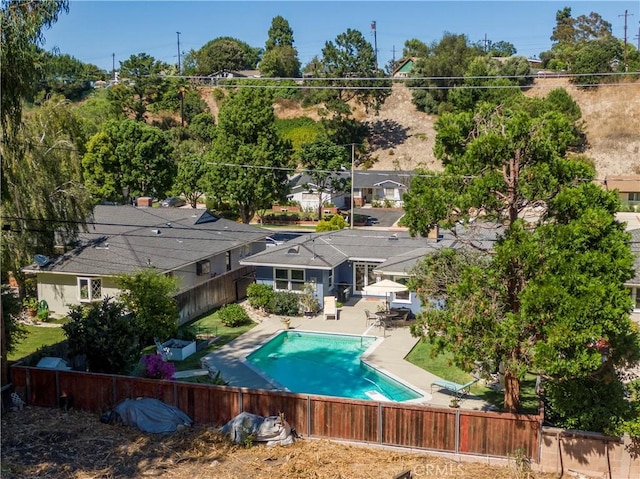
(151, 415)
(274, 430)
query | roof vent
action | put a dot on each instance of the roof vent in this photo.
(294, 250)
(157, 232)
(393, 237)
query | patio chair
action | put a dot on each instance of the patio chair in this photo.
(371, 318)
(459, 390)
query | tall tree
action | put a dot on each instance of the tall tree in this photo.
(498, 162)
(224, 53)
(128, 158)
(415, 48)
(324, 161)
(246, 136)
(21, 33)
(44, 202)
(445, 67)
(280, 58)
(22, 23)
(351, 64)
(141, 84)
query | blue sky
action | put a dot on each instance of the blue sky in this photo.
(94, 30)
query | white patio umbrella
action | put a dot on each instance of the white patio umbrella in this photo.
(384, 287)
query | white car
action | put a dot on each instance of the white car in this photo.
(270, 242)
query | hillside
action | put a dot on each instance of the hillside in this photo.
(611, 115)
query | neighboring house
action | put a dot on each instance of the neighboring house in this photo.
(306, 192)
(225, 74)
(194, 246)
(403, 70)
(628, 187)
(380, 188)
(341, 263)
(373, 187)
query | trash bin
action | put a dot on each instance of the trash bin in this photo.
(344, 292)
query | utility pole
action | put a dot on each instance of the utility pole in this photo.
(486, 43)
(375, 41)
(179, 69)
(626, 14)
(353, 151)
(113, 66)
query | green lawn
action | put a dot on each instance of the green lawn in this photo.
(442, 366)
(210, 324)
(37, 336)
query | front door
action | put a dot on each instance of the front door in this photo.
(363, 276)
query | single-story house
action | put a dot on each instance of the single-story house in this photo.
(194, 246)
(628, 187)
(342, 263)
(373, 187)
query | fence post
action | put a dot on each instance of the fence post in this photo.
(308, 416)
(240, 405)
(380, 429)
(457, 441)
(115, 391)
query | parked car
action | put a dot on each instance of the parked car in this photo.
(173, 202)
(272, 242)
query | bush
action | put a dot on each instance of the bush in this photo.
(233, 315)
(156, 368)
(286, 303)
(260, 296)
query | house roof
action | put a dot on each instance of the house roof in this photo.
(122, 239)
(330, 249)
(623, 183)
(404, 66)
(362, 179)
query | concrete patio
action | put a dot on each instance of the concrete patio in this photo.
(388, 357)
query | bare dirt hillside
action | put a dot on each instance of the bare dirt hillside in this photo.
(611, 115)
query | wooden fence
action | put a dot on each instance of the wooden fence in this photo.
(392, 424)
(220, 290)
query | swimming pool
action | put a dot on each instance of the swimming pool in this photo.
(326, 364)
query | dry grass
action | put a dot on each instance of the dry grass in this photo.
(40, 442)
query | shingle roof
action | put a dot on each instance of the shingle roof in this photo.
(330, 249)
(361, 178)
(122, 239)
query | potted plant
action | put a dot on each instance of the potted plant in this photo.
(454, 403)
(31, 306)
(308, 300)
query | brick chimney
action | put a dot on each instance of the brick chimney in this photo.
(144, 201)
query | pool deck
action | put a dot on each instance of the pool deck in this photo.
(387, 357)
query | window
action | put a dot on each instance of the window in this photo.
(634, 196)
(402, 296)
(203, 268)
(330, 278)
(289, 279)
(636, 299)
(227, 260)
(89, 289)
(389, 192)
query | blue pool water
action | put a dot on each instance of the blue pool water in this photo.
(326, 364)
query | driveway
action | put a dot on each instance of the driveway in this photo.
(386, 217)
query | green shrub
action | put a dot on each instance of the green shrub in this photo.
(260, 296)
(233, 315)
(286, 303)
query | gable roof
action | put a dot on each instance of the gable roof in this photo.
(623, 183)
(405, 65)
(361, 178)
(122, 239)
